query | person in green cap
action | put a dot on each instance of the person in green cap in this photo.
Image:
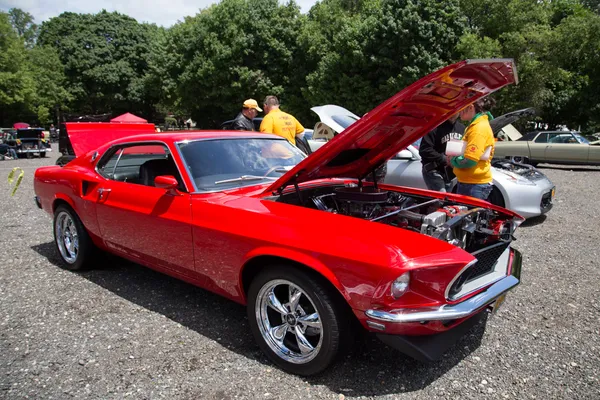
(473, 169)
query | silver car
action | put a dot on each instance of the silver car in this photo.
(518, 187)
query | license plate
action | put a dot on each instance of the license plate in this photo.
(498, 303)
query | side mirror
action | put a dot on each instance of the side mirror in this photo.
(404, 155)
(166, 182)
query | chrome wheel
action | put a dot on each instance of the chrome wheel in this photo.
(517, 159)
(67, 237)
(288, 321)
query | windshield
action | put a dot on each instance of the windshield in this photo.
(580, 138)
(344, 120)
(230, 163)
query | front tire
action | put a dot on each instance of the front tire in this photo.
(519, 159)
(296, 319)
(71, 238)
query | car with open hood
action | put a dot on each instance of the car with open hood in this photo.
(242, 213)
(518, 187)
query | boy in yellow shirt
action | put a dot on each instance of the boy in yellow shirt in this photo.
(474, 175)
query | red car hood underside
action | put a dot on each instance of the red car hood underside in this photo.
(401, 120)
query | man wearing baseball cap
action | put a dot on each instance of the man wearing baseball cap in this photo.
(243, 121)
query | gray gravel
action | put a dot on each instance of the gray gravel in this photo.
(125, 331)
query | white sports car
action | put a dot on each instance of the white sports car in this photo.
(518, 187)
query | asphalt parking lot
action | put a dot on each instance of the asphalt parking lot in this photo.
(126, 331)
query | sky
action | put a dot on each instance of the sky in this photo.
(160, 12)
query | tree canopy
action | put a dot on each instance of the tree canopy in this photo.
(354, 53)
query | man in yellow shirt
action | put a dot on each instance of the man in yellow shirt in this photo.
(278, 122)
(473, 170)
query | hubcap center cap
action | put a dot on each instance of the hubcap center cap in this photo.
(291, 319)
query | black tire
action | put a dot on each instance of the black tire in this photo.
(42, 154)
(84, 248)
(496, 197)
(519, 159)
(335, 326)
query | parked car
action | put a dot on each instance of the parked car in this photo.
(28, 142)
(554, 147)
(518, 187)
(237, 213)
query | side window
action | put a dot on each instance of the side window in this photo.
(139, 164)
(542, 138)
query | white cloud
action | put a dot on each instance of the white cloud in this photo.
(161, 12)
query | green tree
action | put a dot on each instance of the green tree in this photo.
(378, 47)
(105, 57)
(23, 24)
(17, 86)
(227, 53)
(51, 94)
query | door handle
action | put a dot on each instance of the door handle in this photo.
(101, 193)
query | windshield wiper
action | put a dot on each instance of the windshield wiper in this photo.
(244, 178)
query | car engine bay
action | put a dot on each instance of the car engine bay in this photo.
(465, 226)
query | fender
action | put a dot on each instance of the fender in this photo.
(299, 257)
(62, 196)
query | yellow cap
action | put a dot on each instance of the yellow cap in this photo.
(251, 103)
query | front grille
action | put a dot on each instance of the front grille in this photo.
(486, 259)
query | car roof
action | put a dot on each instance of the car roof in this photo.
(179, 136)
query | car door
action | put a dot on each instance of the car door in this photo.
(594, 153)
(404, 169)
(137, 219)
(537, 147)
(564, 147)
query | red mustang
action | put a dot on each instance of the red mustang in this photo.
(305, 242)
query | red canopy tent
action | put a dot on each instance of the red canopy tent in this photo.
(20, 125)
(129, 118)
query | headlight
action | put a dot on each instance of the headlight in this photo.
(518, 179)
(400, 285)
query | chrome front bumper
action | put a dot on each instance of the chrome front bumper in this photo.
(454, 311)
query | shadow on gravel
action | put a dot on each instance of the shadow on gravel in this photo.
(371, 369)
(533, 221)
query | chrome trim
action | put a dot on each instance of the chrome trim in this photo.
(446, 292)
(448, 312)
(459, 310)
(376, 325)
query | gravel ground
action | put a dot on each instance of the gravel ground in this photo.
(126, 331)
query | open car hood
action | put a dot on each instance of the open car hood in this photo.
(502, 121)
(336, 117)
(400, 120)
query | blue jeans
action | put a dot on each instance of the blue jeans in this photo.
(480, 191)
(434, 180)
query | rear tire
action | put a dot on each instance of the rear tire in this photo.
(72, 240)
(296, 319)
(42, 154)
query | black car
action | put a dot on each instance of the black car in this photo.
(28, 142)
